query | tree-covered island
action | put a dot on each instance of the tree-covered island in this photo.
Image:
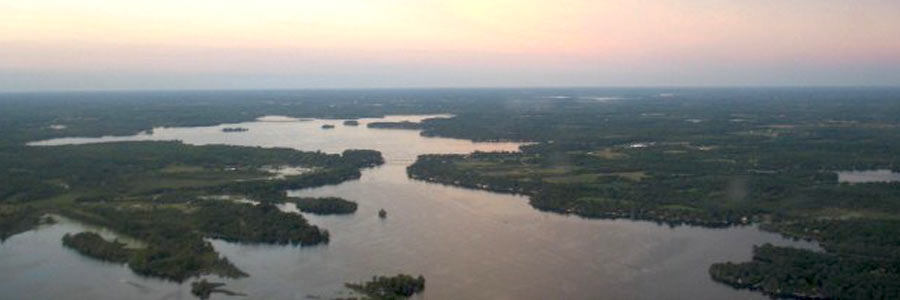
(325, 206)
(400, 286)
(395, 125)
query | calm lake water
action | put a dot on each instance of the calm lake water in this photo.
(468, 244)
(868, 176)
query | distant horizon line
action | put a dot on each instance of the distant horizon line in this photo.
(695, 87)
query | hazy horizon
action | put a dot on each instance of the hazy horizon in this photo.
(52, 45)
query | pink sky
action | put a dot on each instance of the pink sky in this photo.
(169, 44)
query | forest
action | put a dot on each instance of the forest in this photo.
(676, 156)
(325, 205)
(157, 192)
(710, 162)
(395, 125)
(789, 272)
(400, 286)
(93, 245)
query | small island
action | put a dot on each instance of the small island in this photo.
(234, 129)
(325, 206)
(382, 213)
(395, 125)
(351, 123)
(395, 287)
(202, 289)
(328, 126)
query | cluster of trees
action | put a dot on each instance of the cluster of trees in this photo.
(395, 125)
(858, 237)
(175, 247)
(14, 220)
(234, 129)
(27, 117)
(102, 171)
(596, 192)
(275, 190)
(798, 273)
(362, 158)
(399, 286)
(42, 172)
(441, 168)
(93, 245)
(175, 235)
(247, 223)
(203, 289)
(347, 168)
(182, 260)
(174, 251)
(325, 205)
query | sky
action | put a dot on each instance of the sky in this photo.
(275, 44)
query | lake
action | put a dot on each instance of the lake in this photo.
(468, 244)
(868, 176)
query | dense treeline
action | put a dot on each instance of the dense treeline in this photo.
(43, 172)
(274, 190)
(400, 286)
(262, 223)
(325, 205)
(175, 248)
(605, 193)
(796, 273)
(151, 191)
(93, 245)
(361, 158)
(395, 125)
(854, 237)
(17, 219)
(28, 116)
(175, 233)
(529, 114)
